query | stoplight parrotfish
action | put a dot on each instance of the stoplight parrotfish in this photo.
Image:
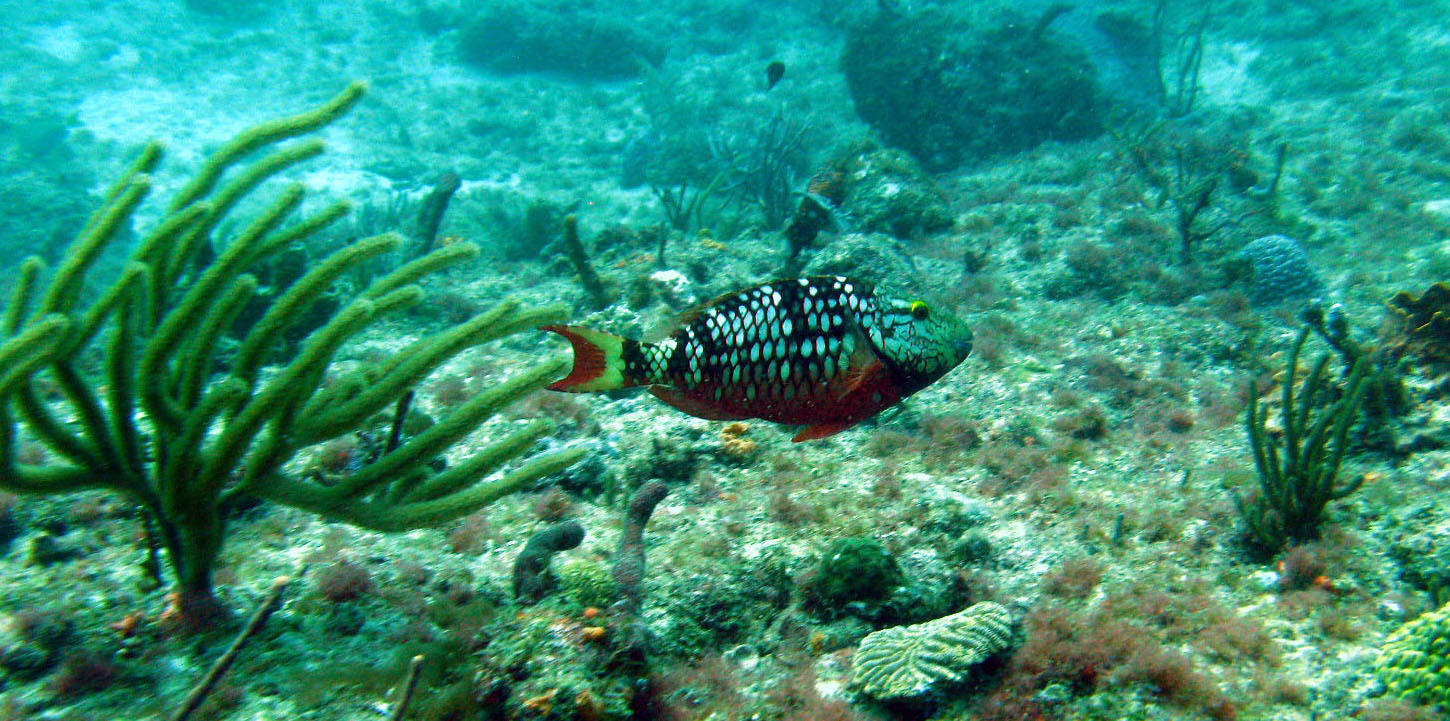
(824, 352)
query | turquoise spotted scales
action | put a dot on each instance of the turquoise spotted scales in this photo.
(905, 661)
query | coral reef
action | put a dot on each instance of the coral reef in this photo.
(909, 661)
(852, 571)
(1281, 271)
(874, 257)
(1419, 536)
(1424, 322)
(1414, 661)
(1079, 469)
(587, 583)
(886, 191)
(430, 214)
(520, 37)
(950, 91)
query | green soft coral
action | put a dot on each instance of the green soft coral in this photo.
(1414, 661)
(184, 433)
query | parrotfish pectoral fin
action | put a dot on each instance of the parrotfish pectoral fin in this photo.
(862, 369)
(598, 360)
(865, 375)
(677, 399)
(822, 430)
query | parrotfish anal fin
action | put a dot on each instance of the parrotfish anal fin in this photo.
(677, 399)
(598, 360)
(822, 430)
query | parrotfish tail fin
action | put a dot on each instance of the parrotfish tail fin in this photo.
(598, 360)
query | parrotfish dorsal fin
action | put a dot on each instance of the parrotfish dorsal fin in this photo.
(688, 316)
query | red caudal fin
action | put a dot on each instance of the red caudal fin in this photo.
(598, 360)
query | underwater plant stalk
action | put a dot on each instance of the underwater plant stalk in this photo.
(223, 664)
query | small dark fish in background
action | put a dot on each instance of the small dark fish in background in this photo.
(773, 73)
(825, 352)
(819, 209)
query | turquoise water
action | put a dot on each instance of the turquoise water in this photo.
(1139, 209)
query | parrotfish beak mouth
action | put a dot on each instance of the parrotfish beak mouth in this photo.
(963, 347)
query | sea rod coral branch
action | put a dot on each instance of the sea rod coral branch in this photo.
(185, 434)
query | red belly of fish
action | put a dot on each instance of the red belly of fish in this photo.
(836, 402)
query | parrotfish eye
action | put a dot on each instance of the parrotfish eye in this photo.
(919, 310)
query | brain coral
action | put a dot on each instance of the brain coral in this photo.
(905, 661)
(1282, 270)
(1414, 661)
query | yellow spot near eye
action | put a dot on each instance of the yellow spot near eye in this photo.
(919, 310)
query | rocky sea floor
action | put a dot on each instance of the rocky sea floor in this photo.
(1079, 468)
